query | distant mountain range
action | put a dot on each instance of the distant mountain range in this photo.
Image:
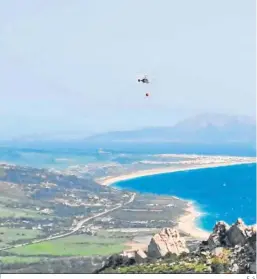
(204, 128)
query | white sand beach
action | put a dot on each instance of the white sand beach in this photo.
(187, 224)
(109, 180)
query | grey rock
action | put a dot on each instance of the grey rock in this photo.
(140, 256)
(214, 241)
(253, 267)
(167, 241)
(237, 235)
(252, 241)
(128, 254)
(221, 227)
(219, 235)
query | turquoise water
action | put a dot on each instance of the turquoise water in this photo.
(223, 193)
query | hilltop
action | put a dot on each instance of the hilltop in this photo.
(203, 128)
(229, 249)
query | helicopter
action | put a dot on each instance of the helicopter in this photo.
(144, 79)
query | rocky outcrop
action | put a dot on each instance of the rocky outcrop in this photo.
(252, 240)
(229, 249)
(115, 261)
(128, 254)
(238, 241)
(140, 256)
(225, 236)
(237, 233)
(219, 235)
(167, 241)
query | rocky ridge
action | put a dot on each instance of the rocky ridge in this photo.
(229, 249)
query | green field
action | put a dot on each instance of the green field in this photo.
(7, 212)
(77, 245)
(122, 236)
(16, 259)
(7, 235)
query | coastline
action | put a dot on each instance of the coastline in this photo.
(186, 223)
(110, 180)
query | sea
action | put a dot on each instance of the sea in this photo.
(221, 193)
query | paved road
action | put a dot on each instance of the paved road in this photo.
(78, 226)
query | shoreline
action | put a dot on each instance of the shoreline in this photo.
(187, 222)
(110, 180)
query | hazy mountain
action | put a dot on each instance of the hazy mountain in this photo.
(204, 128)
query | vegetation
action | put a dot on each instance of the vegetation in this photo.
(9, 235)
(78, 245)
(17, 213)
(184, 263)
(16, 259)
(220, 264)
(161, 267)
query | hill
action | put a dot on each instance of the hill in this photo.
(203, 128)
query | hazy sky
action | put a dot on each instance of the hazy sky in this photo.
(72, 66)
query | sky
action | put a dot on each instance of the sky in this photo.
(71, 67)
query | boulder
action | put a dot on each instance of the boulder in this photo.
(140, 256)
(251, 241)
(237, 233)
(221, 227)
(167, 241)
(117, 260)
(128, 254)
(219, 236)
